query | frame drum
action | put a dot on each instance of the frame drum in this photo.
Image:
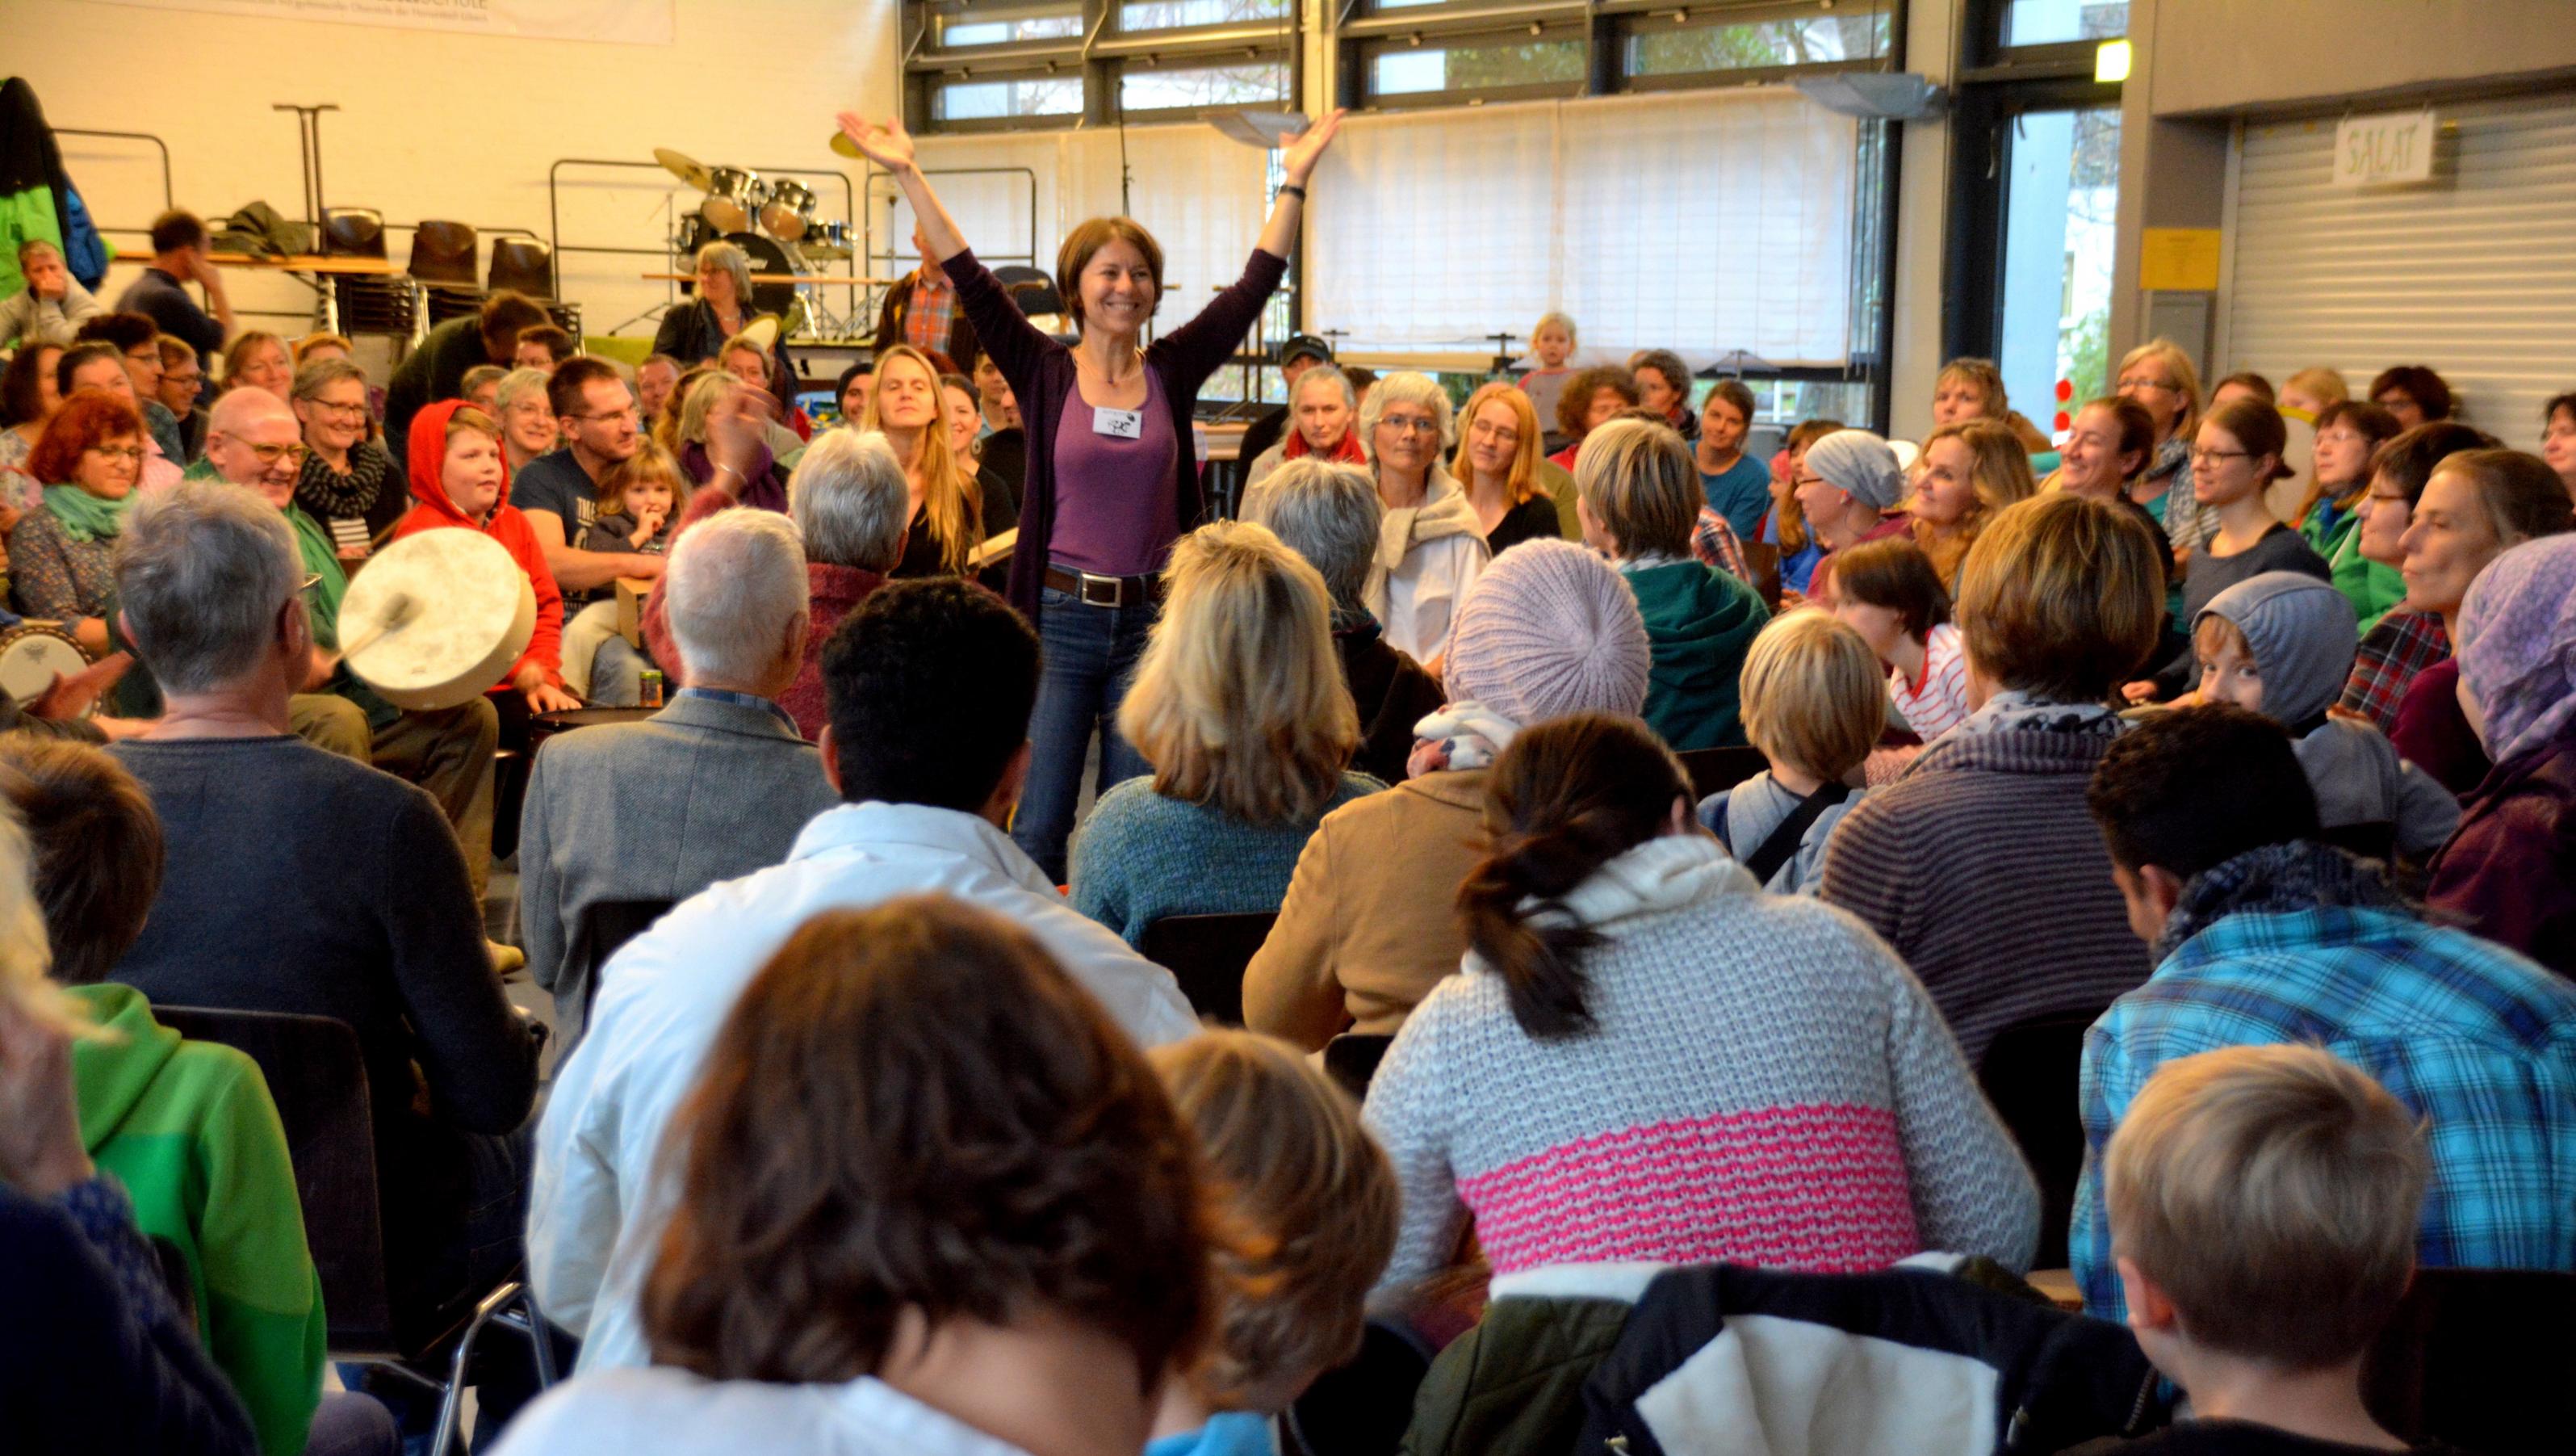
(31, 654)
(437, 618)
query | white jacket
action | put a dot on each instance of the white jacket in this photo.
(595, 1214)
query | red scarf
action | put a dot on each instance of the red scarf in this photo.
(1345, 452)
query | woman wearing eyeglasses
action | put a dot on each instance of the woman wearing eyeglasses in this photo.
(62, 558)
(2158, 375)
(1430, 546)
(348, 483)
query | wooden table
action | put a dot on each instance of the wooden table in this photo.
(798, 278)
(312, 268)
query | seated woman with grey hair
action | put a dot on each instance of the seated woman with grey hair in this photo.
(1430, 546)
(1329, 514)
(1322, 409)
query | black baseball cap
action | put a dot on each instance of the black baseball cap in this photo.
(1307, 345)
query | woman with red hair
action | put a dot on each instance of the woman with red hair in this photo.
(62, 557)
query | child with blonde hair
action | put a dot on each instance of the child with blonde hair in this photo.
(640, 499)
(1814, 703)
(1303, 1203)
(1552, 341)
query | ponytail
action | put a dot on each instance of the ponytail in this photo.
(1566, 798)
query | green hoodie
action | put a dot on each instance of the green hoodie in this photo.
(1699, 624)
(189, 1129)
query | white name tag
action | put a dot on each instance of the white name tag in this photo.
(1125, 424)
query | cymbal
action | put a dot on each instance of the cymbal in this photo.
(685, 167)
(841, 143)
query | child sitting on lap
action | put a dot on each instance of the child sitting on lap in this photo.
(638, 501)
(1815, 705)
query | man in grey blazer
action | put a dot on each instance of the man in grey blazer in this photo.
(625, 819)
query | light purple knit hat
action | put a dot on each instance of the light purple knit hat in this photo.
(2518, 645)
(1549, 629)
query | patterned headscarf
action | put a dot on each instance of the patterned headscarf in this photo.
(2518, 645)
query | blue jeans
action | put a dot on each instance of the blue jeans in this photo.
(1091, 655)
(617, 675)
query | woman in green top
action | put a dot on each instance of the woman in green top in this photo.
(2349, 434)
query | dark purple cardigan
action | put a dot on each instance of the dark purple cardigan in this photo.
(1041, 372)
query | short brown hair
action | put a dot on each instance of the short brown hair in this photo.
(571, 377)
(177, 229)
(2273, 1193)
(98, 848)
(2407, 461)
(2257, 428)
(1305, 1202)
(502, 316)
(2522, 496)
(89, 417)
(2248, 379)
(1087, 240)
(2372, 421)
(558, 344)
(1574, 405)
(1814, 695)
(1895, 573)
(2430, 391)
(2061, 596)
(913, 1106)
(1642, 486)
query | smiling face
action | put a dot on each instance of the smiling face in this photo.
(2227, 670)
(2222, 472)
(748, 366)
(1322, 418)
(264, 366)
(2558, 445)
(907, 396)
(1946, 492)
(266, 456)
(1721, 425)
(106, 374)
(2093, 466)
(2342, 457)
(965, 419)
(335, 419)
(854, 396)
(109, 468)
(471, 473)
(179, 381)
(2449, 541)
(1493, 438)
(1117, 289)
(530, 423)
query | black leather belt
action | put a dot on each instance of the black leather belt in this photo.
(1104, 591)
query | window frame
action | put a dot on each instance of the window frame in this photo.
(1101, 55)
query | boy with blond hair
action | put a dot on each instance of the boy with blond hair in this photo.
(1814, 704)
(2263, 1203)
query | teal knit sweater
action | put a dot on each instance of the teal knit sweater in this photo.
(1141, 857)
(1699, 624)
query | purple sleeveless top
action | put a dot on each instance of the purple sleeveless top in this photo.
(1116, 510)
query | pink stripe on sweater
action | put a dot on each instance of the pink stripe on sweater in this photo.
(1818, 1188)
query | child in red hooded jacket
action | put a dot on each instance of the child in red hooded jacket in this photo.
(460, 478)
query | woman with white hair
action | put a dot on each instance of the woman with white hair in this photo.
(1323, 407)
(1239, 706)
(852, 501)
(528, 427)
(1430, 547)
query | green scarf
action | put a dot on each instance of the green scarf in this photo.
(85, 517)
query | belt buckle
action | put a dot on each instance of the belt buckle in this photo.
(1103, 591)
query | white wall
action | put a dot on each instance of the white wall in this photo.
(438, 125)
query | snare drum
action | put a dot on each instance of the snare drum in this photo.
(542, 726)
(30, 656)
(733, 198)
(790, 208)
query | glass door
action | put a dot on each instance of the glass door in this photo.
(2061, 186)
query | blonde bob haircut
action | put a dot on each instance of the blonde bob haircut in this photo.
(1814, 695)
(952, 499)
(1982, 376)
(1998, 476)
(1304, 1205)
(1522, 482)
(1639, 481)
(2272, 1192)
(2319, 382)
(2168, 356)
(1238, 701)
(2061, 597)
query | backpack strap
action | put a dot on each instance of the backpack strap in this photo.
(1783, 841)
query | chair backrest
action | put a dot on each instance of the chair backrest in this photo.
(606, 926)
(1031, 288)
(523, 265)
(319, 1081)
(353, 232)
(1351, 1059)
(2030, 1074)
(2374, 840)
(443, 252)
(1208, 953)
(1362, 1408)
(1712, 769)
(2469, 1360)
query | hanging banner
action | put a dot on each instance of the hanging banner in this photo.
(630, 22)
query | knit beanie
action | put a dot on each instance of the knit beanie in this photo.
(2304, 636)
(1549, 629)
(1860, 465)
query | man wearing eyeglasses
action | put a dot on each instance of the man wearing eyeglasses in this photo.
(252, 440)
(559, 492)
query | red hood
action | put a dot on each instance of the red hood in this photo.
(428, 449)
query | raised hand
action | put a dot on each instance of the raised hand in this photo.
(885, 143)
(1298, 154)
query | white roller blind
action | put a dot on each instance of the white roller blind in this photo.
(1703, 222)
(2471, 273)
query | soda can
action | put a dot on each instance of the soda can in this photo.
(652, 687)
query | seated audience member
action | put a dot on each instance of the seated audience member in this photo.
(258, 359)
(1663, 390)
(655, 381)
(640, 502)
(545, 347)
(1298, 356)
(1732, 484)
(2264, 936)
(186, 1126)
(1552, 341)
(348, 484)
(1973, 389)
(2236, 457)
(1591, 398)
(180, 379)
(767, 374)
(1639, 498)
(138, 349)
(1330, 515)
(1430, 545)
(2413, 393)
(447, 751)
(298, 881)
(2349, 434)
(2478, 505)
(2405, 642)
(1309, 1200)
(61, 554)
(460, 481)
(2107, 447)
(2243, 384)
(755, 481)
(2508, 871)
(714, 786)
(1980, 865)
(1004, 449)
(931, 684)
(560, 494)
(2558, 439)
(97, 365)
(2160, 377)
(1324, 411)
(319, 345)
(1888, 592)
(1362, 378)
(698, 330)
(2311, 391)
(1785, 528)
(1369, 927)
(436, 369)
(28, 399)
(1640, 1070)
(482, 388)
(856, 383)
(1499, 465)
(955, 509)
(2262, 1202)
(965, 418)
(1814, 704)
(2279, 644)
(1239, 707)
(1969, 471)
(53, 305)
(1849, 490)
(849, 503)
(528, 427)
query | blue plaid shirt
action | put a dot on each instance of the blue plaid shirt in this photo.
(2475, 1039)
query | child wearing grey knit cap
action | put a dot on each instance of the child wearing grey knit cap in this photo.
(2282, 644)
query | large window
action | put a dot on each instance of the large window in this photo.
(977, 66)
(1444, 52)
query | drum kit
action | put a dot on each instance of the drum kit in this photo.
(777, 223)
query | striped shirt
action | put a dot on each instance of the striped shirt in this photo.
(1935, 702)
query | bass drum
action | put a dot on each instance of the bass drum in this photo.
(695, 233)
(768, 257)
